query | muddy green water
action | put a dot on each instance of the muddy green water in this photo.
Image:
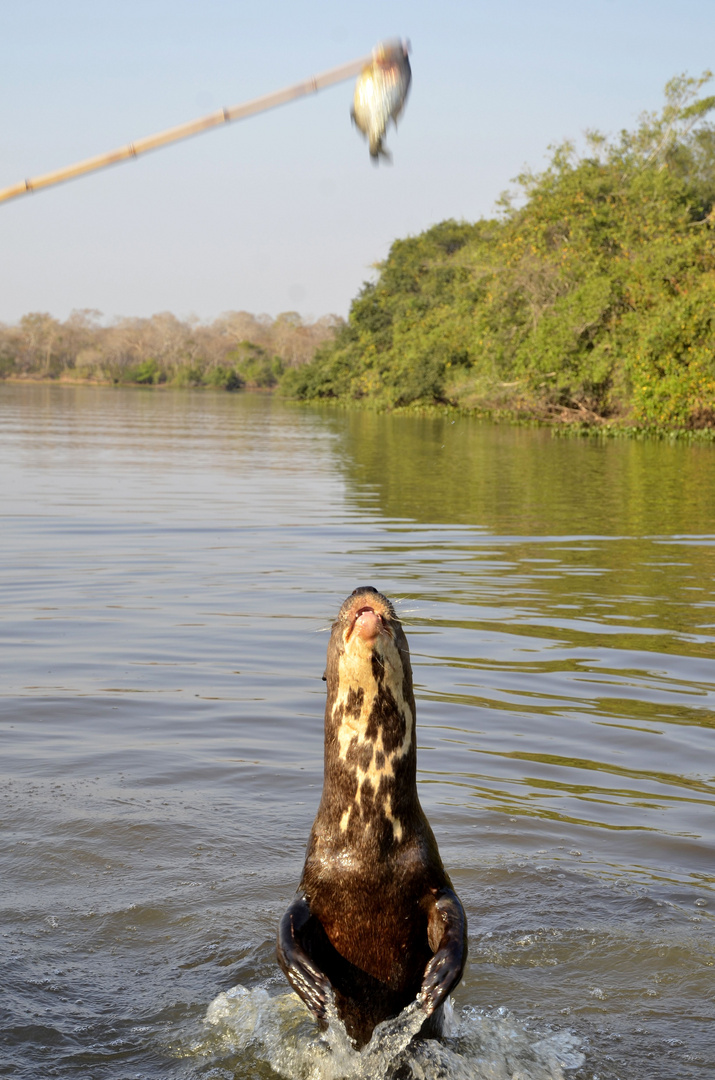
(170, 563)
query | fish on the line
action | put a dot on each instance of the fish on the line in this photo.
(380, 94)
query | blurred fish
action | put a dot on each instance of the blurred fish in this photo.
(380, 94)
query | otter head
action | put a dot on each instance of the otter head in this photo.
(370, 758)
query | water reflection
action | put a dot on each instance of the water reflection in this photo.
(523, 481)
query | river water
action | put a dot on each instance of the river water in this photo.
(171, 562)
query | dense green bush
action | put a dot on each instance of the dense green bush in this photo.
(147, 373)
(224, 378)
(255, 366)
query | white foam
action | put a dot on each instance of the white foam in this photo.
(276, 1030)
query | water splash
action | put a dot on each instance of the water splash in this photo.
(256, 1030)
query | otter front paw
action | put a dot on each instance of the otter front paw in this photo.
(310, 984)
(448, 937)
(308, 981)
(441, 975)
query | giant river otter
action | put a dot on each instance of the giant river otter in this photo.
(375, 917)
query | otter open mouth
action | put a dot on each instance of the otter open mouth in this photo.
(367, 622)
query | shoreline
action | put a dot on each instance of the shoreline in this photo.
(561, 426)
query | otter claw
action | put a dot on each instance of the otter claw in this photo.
(310, 985)
(441, 975)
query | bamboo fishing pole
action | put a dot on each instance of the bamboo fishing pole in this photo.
(193, 127)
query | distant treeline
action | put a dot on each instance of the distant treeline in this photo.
(590, 297)
(236, 350)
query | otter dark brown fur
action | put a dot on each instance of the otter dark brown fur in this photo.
(375, 918)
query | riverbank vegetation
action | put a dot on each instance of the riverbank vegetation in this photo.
(591, 297)
(234, 351)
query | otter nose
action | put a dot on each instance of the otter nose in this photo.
(368, 624)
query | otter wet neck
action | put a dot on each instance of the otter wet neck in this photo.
(369, 791)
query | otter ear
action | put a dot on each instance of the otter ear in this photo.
(325, 675)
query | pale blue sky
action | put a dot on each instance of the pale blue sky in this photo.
(285, 211)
